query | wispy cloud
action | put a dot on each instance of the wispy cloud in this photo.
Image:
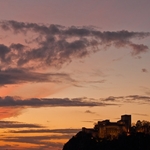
(146, 90)
(140, 114)
(52, 46)
(57, 44)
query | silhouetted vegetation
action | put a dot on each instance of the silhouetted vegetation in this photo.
(84, 141)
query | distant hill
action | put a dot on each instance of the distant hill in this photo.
(85, 141)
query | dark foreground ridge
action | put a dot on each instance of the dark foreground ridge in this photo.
(106, 135)
(85, 141)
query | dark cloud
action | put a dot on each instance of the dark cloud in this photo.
(57, 44)
(14, 76)
(113, 98)
(9, 101)
(138, 98)
(15, 124)
(129, 98)
(4, 50)
(110, 98)
(144, 70)
(62, 131)
(89, 112)
(12, 102)
(138, 48)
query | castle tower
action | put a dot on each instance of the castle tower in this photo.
(127, 120)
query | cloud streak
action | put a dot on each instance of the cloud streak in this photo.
(13, 106)
(140, 114)
(15, 124)
(46, 137)
(9, 101)
(129, 98)
(62, 131)
(44, 140)
(17, 102)
(15, 76)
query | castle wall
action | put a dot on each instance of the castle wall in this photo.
(111, 131)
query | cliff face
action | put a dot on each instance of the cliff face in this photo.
(84, 141)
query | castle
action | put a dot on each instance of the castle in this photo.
(110, 130)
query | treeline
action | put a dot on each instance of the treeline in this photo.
(142, 126)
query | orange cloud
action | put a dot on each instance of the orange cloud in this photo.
(31, 90)
(7, 112)
(9, 89)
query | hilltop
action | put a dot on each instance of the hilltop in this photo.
(85, 141)
(108, 135)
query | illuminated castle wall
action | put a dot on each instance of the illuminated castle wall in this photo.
(111, 130)
(107, 129)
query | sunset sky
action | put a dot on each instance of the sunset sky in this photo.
(66, 64)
